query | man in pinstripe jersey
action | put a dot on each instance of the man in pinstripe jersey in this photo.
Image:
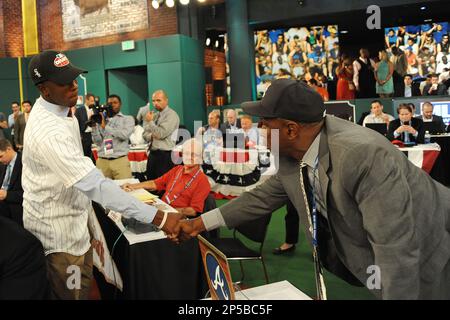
(59, 181)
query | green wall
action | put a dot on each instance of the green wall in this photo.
(131, 85)
(175, 65)
(9, 84)
(172, 63)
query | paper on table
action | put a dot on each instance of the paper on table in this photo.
(143, 195)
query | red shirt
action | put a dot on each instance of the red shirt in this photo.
(194, 196)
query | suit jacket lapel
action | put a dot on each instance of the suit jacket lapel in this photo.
(324, 164)
(15, 172)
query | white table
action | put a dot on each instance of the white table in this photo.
(282, 290)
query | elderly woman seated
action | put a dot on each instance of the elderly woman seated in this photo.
(186, 186)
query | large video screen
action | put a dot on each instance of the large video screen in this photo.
(299, 53)
(426, 47)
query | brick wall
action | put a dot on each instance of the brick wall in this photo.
(2, 39)
(12, 28)
(161, 22)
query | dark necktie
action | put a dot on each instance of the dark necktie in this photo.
(308, 196)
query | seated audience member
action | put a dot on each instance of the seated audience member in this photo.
(186, 186)
(435, 88)
(112, 139)
(136, 137)
(377, 115)
(406, 128)
(23, 273)
(11, 192)
(233, 124)
(424, 83)
(250, 132)
(407, 89)
(427, 116)
(212, 136)
(321, 90)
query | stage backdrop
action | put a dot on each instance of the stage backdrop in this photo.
(83, 19)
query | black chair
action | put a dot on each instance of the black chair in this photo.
(210, 204)
(235, 250)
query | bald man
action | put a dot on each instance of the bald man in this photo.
(159, 132)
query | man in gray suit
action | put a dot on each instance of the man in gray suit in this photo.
(375, 218)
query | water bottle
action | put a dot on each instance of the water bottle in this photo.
(427, 137)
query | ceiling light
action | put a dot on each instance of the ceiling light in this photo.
(208, 41)
(170, 3)
(184, 2)
(155, 4)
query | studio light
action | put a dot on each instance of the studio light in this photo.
(155, 4)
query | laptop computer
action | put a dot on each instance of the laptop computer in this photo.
(432, 127)
(217, 271)
(234, 140)
(378, 127)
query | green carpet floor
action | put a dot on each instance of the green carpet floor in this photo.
(297, 267)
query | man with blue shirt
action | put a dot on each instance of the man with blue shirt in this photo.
(112, 136)
(59, 182)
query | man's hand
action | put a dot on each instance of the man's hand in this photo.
(3, 194)
(149, 116)
(127, 187)
(103, 124)
(171, 227)
(190, 228)
(98, 247)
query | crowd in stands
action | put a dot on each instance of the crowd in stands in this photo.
(415, 62)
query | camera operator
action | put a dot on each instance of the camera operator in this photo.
(111, 136)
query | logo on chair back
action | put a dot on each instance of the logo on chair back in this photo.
(217, 277)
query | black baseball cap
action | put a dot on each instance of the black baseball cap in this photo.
(288, 99)
(53, 66)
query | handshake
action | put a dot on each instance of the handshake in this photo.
(177, 228)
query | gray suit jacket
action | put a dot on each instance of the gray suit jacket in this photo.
(382, 210)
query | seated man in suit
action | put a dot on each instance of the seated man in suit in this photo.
(233, 123)
(406, 128)
(23, 273)
(407, 88)
(427, 116)
(435, 88)
(186, 186)
(11, 192)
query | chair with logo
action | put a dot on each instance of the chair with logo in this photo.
(236, 250)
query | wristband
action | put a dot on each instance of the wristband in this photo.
(163, 221)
